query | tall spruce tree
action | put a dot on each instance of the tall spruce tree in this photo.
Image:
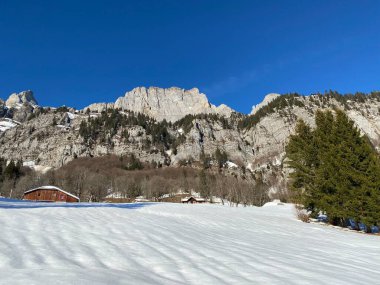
(302, 158)
(335, 169)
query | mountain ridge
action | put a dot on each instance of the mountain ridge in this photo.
(51, 137)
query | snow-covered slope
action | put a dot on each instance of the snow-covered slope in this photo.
(6, 124)
(177, 244)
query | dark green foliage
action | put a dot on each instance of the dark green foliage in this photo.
(187, 122)
(37, 112)
(107, 125)
(203, 187)
(160, 134)
(221, 157)
(205, 159)
(134, 163)
(2, 168)
(32, 116)
(62, 109)
(295, 99)
(178, 141)
(10, 173)
(281, 102)
(12, 170)
(336, 170)
(31, 130)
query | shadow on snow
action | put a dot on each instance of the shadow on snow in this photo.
(21, 204)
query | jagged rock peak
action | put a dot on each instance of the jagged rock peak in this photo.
(17, 99)
(170, 104)
(267, 99)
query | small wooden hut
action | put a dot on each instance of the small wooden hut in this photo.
(193, 200)
(50, 194)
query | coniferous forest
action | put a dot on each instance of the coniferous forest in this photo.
(335, 170)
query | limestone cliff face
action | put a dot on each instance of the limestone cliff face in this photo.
(170, 104)
(47, 144)
(99, 107)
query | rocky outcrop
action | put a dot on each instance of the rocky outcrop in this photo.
(19, 106)
(169, 104)
(16, 100)
(267, 99)
(224, 110)
(99, 107)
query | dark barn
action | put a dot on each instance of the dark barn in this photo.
(50, 194)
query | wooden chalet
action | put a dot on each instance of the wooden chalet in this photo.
(50, 194)
(193, 200)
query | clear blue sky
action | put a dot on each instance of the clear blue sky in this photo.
(79, 52)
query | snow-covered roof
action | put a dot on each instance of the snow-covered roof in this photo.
(195, 198)
(51, 188)
(142, 200)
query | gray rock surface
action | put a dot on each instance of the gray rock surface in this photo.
(99, 107)
(267, 99)
(19, 106)
(18, 99)
(170, 104)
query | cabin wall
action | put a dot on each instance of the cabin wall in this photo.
(71, 199)
(49, 195)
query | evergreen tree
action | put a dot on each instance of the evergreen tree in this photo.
(335, 169)
(221, 157)
(11, 170)
(204, 188)
(302, 157)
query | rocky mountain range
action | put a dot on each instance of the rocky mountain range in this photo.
(173, 127)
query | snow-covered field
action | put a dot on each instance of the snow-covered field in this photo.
(177, 244)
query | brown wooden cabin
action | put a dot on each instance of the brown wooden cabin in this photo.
(50, 194)
(193, 200)
(176, 198)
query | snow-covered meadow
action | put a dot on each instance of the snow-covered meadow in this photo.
(159, 243)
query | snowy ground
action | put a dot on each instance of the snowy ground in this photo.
(177, 244)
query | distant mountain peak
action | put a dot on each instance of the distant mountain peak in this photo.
(17, 99)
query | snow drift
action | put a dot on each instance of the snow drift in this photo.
(151, 243)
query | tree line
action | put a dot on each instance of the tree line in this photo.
(93, 179)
